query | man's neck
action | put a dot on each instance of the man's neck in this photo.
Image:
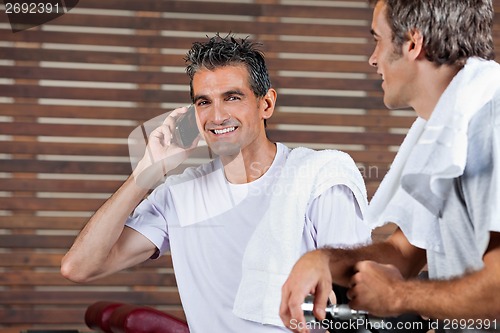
(249, 165)
(433, 84)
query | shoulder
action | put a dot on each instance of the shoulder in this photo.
(328, 168)
(486, 119)
(336, 159)
(495, 106)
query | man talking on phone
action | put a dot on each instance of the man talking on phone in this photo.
(236, 225)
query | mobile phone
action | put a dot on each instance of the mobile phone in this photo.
(186, 129)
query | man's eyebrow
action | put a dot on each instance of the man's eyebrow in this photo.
(234, 92)
(225, 94)
(197, 97)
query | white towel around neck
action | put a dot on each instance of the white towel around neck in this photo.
(275, 245)
(413, 192)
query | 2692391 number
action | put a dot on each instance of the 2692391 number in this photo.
(32, 8)
(469, 324)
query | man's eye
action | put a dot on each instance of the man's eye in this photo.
(233, 98)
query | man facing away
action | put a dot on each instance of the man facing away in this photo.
(443, 189)
(236, 225)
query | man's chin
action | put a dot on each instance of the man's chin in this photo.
(225, 148)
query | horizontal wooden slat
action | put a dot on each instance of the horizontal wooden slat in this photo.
(70, 130)
(35, 241)
(60, 185)
(43, 73)
(61, 148)
(34, 297)
(50, 204)
(336, 138)
(68, 315)
(42, 222)
(30, 259)
(333, 12)
(27, 278)
(73, 167)
(145, 95)
(92, 57)
(333, 101)
(24, 259)
(367, 85)
(64, 167)
(375, 162)
(26, 109)
(341, 120)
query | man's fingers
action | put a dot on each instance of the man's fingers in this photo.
(172, 117)
(321, 300)
(291, 312)
(284, 310)
(177, 112)
(296, 312)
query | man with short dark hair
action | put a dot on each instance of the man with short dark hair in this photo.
(236, 225)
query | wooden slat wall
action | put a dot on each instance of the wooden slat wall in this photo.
(73, 89)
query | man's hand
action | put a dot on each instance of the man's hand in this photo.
(310, 275)
(376, 288)
(162, 153)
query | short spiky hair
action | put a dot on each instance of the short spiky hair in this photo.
(228, 51)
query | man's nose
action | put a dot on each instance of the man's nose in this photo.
(220, 113)
(373, 60)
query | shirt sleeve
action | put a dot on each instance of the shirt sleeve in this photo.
(149, 220)
(334, 219)
(482, 173)
(494, 196)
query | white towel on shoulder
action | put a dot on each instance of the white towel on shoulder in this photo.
(413, 192)
(276, 243)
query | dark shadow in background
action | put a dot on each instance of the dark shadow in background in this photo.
(24, 14)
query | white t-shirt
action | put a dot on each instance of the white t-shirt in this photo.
(206, 223)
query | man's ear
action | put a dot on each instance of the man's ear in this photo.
(415, 45)
(268, 103)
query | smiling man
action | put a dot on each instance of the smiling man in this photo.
(236, 225)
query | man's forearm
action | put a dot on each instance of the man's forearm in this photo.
(93, 245)
(472, 296)
(396, 251)
(467, 297)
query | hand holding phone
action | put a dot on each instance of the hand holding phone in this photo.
(162, 144)
(186, 129)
